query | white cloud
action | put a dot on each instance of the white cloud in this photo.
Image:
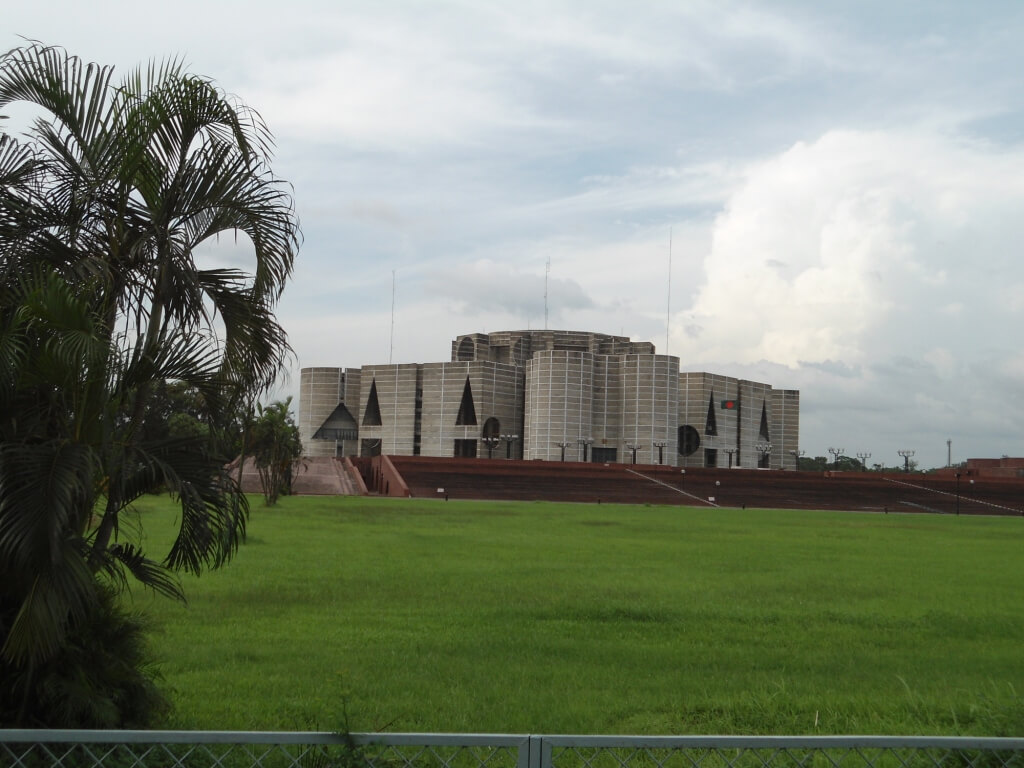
(826, 248)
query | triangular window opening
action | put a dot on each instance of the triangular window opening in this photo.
(711, 428)
(467, 411)
(371, 417)
(763, 434)
(338, 426)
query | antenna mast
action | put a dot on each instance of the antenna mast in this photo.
(668, 304)
(547, 271)
(391, 346)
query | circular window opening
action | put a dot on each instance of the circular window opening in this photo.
(467, 352)
(689, 440)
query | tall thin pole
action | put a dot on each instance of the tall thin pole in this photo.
(391, 346)
(547, 271)
(668, 303)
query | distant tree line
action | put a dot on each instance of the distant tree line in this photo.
(847, 464)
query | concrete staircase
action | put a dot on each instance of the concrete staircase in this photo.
(315, 476)
(323, 476)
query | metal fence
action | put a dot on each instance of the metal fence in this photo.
(219, 749)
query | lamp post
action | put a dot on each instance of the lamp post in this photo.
(958, 493)
(906, 454)
(765, 449)
(585, 443)
(563, 446)
(836, 452)
(491, 442)
(660, 445)
(729, 452)
(509, 439)
(863, 461)
(632, 447)
(797, 455)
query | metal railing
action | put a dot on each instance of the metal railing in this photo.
(220, 749)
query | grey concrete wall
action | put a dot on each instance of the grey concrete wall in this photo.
(699, 392)
(606, 425)
(740, 429)
(396, 395)
(617, 401)
(497, 391)
(785, 420)
(649, 407)
(320, 392)
(753, 397)
(559, 405)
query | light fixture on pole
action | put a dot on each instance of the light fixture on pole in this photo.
(509, 439)
(836, 452)
(632, 447)
(563, 445)
(797, 455)
(906, 454)
(765, 449)
(491, 441)
(863, 461)
(585, 443)
(660, 445)
(729, 452)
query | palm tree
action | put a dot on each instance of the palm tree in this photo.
(276, 448)
(104, 205)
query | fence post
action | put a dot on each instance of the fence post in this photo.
(535, 749)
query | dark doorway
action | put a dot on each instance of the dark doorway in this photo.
(710, 457)
(465, 449)
(603, 455)
(369, 447)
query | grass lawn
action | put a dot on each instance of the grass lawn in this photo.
(422, 615)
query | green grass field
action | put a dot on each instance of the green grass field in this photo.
(562, 618)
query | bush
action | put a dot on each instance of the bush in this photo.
(102, 678)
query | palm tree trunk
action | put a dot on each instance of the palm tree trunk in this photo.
(113, 507)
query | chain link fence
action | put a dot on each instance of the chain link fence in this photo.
(216, 749)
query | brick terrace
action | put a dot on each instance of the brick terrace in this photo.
(653, 484)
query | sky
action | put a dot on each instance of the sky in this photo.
(826, 197)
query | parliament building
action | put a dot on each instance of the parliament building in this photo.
(551, 396)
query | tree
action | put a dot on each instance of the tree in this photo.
(815, 464)
(275, 446)
(102, 207)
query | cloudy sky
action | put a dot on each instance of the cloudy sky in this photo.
(843, 184)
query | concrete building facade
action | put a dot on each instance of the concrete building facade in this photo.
(550, 395)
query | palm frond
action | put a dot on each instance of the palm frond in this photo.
(56, 597)
(147, 572)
